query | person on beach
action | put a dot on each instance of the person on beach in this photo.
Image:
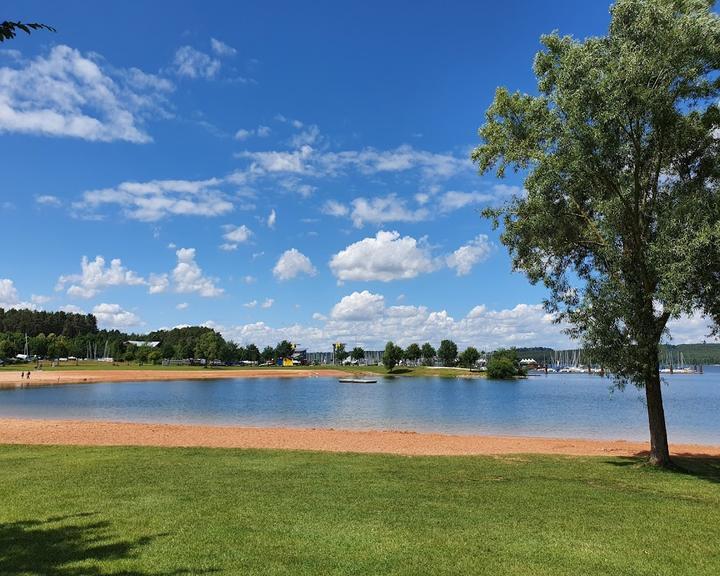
(22, 375)
(28, 375)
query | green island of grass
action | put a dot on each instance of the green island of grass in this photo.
(76, 511)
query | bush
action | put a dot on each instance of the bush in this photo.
(501, 368)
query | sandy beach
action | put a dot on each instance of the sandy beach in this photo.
(99, 433)
(54, 377)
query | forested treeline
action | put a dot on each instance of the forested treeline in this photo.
(33, 323)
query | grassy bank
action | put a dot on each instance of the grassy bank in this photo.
(378, 370)
(151, 511)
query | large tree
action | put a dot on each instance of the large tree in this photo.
(621, 218)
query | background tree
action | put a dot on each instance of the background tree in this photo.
(209, 346)
(284, 349)
(252, 353)
(447, 352)
(340, 352)
(504, 364)
(413, 353)
(357, 354)
(622, 215)
(8, 29)
(428, 354)
(268, 354)
(469, 357)
(391, 356)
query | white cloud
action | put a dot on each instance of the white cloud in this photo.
(690, 329)
(294, 162)
(48, 200)
(251, 304)
(267, 303)
(361, 306)
(40, 299)
(455, 200)
(249, 279)
(9, 297)
(192, 63)
(263, 131)
(362, 319)
(271, 219)
(235, 235)
(188, 276)
(112, 316)
(95, 277)
(292, 263)
(465, 257)
(66, 93)
(72, 309)
(385, 209)
(385, 257)
(158, 283)
(222, 49)
(182, 306)
(243, 134)
(157, 199)
(308, 136)
(335, 208)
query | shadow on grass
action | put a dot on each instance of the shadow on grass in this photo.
(74, 545)
(702, 466)
(398, 371)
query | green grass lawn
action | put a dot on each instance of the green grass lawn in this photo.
(379, 370)
(69, 511)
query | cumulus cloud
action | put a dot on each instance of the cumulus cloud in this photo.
(465, 257)
(455, 200)
(293, 263)
(67, 93)
(361, 318)
(95, 277)
(157, 199)
(158, 283)
(112, 316)
(267, 303)
(188, 277)
(182, 306)
(335, 208)
(251, 304)
(235, 235)
(9, 297)
(245, 133)
(385, 257)
(386, 209)
(360, 306)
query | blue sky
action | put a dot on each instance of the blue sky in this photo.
(275, 170)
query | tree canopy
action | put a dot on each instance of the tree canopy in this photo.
(8, 29)
(620, 146)
(447, 352)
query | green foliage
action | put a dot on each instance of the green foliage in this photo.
(428, 354)
(621, 220)
(392, 355)
(357, 353)
(268, 354)
(504, 364)
(447, 352)
(340, 352)
(469, 357)
(284, 349)
(413, 353)
(33, 322)
(8, 29)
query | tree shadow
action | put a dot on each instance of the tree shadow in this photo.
(55, 546)
(703, 466)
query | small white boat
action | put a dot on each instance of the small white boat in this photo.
(357, 380)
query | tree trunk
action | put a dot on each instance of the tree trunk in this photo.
(659, 451)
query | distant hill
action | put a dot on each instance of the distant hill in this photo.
(691, 353)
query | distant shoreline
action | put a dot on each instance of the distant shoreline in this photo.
(104, 433)
(12, 379)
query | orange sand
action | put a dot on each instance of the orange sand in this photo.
(71, 432)
(54, 377)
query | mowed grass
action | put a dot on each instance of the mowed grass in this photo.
(72, 511)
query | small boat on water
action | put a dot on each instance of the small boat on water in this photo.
(357, 380)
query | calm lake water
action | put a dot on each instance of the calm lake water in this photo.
(562, 405)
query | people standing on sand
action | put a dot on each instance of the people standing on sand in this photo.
(28, 375)
(22, 375)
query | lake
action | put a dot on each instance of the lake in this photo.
(558, 405)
